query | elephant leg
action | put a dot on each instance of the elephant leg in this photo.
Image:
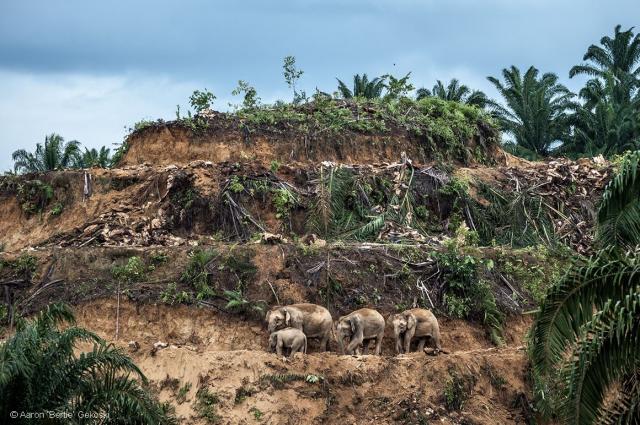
(365, 346)
(379, 343)
(354, 345)
(279, 349)
(399, 345)
(407, 343)
(324, 342)
(421, 343)
(436, 343)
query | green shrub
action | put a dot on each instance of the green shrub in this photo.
(172, 296)
(133, 271)
(181, 395)
(235, 185)
(205, 405)
(196, 273)
(159, 257)
(34, 195)
(456, 306)
(284, 200)
(57, 209)
(456, 391)
(467, 295)
(257, 414)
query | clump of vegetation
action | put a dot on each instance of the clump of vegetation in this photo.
(158, 258)
(181, 395)
(536, 276)
(201, 100)
(41, 371)
(34, 196)
(466, 294)
(243, 393)
(257, 414)
(196, 273)
(205, 405)
(172, 295)
(236, 302)
(57, 209)
(457, 390)
(240, 264)
(133, 271)
(284, 201)
(279, 380)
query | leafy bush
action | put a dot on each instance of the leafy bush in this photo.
(466, 294)
(133, 271)
(196, 273)
(283, 201)
(237, 302)
(22, 267)
(57, 209)
(34, 195)
(456, 391)
(205, 405)
(171, 295)
(201, 100)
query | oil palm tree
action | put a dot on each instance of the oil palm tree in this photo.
(536, 108)
(362, 87)
(618, 57)
(95, 158)
(585, 344)
(602, 125)
(456, 92)
(40, 371)
(608, 117)
(55, 154)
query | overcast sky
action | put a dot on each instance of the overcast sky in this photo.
(87, 69)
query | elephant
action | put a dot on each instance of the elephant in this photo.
(315, 321)
(291, 338)
(360, 326)
(415, 323)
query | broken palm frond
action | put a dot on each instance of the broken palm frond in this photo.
(393, 221)
(548, 203)
(545, 203)
(332, 187)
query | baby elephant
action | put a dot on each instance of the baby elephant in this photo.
(288, 338)
(416, 323)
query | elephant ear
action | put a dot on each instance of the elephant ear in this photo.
(287, 318)
(411, 321)
(266, 317)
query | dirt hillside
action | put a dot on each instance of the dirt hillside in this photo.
(227, 355)
(176, 254)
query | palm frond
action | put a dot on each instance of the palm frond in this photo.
(619, 214)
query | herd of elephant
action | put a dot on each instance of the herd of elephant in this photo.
(291, 325)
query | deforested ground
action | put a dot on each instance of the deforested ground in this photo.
(175, 255)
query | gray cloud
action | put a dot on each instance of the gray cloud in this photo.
(86, 69)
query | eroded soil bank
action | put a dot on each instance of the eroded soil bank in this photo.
(227, 356)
